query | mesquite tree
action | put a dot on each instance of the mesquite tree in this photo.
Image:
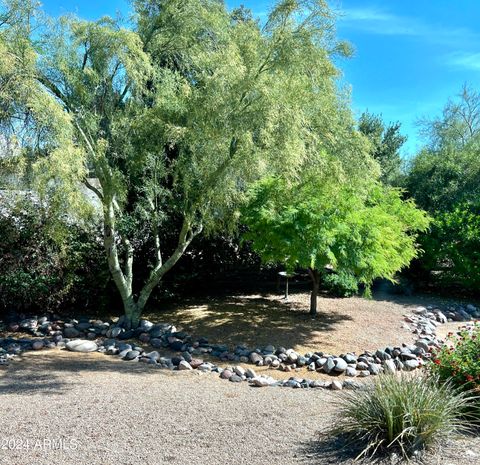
(361, 229)
(169, 121)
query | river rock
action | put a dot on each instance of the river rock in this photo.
(340, 365)
(389, 366)
(81, 345)
(38, 345)
(184, 365)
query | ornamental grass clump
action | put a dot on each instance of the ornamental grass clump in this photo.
(402, 414)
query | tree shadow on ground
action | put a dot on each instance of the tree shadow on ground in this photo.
(55, 372)
(253, 321)
(387, 292)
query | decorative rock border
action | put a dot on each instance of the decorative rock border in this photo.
(86, 335)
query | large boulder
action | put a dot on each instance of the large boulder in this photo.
(81, 345)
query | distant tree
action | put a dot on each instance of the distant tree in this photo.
(364, 232)
(386, 144)
(444, 180)
(175, 119)
(458, 125)
(446, 171)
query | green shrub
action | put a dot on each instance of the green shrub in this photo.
(452, 247)
(340, 284)
(458, 361)
(405, 414)
(39, 271)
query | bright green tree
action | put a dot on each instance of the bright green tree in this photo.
(365, 232)
(169, 123)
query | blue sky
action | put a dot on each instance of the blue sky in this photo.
(410, 55)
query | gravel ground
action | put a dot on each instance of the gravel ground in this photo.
(342, 325)
(112, 412)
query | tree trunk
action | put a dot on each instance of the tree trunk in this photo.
(313, 296)
(133, 313)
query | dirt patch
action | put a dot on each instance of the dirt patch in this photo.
(349, 324)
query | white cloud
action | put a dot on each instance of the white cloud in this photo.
(465, 60)
(380, 22)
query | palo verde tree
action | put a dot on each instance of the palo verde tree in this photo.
(168, 123)
(365, 231)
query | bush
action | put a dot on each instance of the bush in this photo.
(340, 284)
(452, 247)
(47, 265)
(458, 361)
(404, 414)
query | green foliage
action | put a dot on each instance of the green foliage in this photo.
(340, 284)
(458, 361)
(177, 116)
(443, 179)
(405, 414)
(46, 264)
(452, 247)
(365, 234)
(386, 144)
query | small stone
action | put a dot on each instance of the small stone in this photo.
(83, 326)
(250, 373)
(269, 349)
(115, 332)
(205, 367)
(292, 356)
(352, 372)
(235, 379)
(336, 386)
(195, 362)
(145, 325)
(156, 343)
(255, 358)
(410, 365)
(81, 345)
(422, 344)
(184, 365)
(350, 358)
(362, 366)
(226, 374)
(374, 368)
(71, 333)
(240, 371)
(177, 359)
(301, 361)
(420, 310)
(37, 345)
(340, 365)
(382, 355)
(319, 384)
(131, 355)
(262, 381)
(389, 366)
